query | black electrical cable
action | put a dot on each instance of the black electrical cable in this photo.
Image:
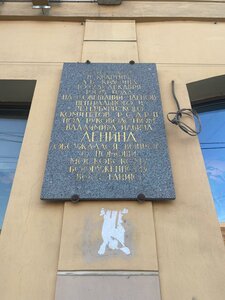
(187, 112)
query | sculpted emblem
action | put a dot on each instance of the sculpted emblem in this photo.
(113, 231)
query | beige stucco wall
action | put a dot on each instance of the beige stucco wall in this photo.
(181, 239)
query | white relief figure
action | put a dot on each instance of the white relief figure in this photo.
(113, 232)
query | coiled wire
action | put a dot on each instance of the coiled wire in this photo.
(175, 117)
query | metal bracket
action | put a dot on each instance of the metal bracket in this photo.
(41, 4)
(109, 2)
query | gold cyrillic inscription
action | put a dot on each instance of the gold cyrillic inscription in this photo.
(108, 113)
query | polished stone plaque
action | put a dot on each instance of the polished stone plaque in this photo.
(108, 139)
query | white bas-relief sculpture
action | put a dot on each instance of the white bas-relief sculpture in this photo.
(113, 232)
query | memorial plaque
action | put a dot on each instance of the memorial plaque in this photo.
(108, 139)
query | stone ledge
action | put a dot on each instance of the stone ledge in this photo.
(137, 10)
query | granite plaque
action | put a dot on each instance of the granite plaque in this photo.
(108, 139)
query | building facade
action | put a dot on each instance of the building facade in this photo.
(51, 250)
